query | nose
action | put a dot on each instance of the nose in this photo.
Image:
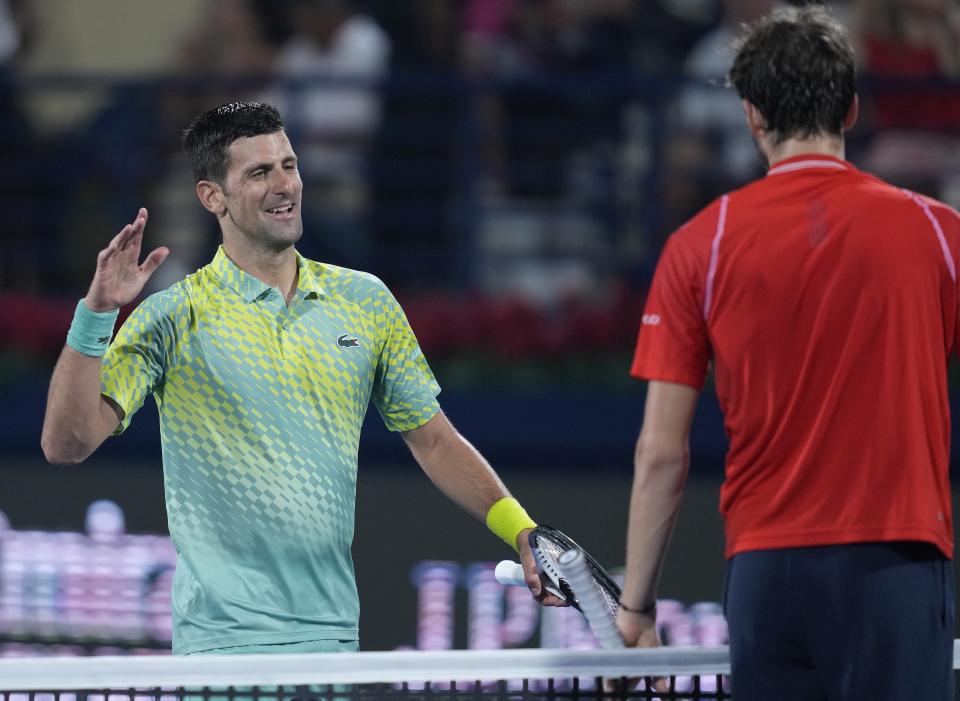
(283, 182)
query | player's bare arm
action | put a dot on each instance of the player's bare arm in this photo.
(461, 473)
(660, 472)
(78, 418)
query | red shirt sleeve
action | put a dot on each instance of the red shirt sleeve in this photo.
(946, 224)
(951, 219)
(672, 345)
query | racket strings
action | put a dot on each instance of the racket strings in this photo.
(548, 553)
(611, 599)
(551, 548)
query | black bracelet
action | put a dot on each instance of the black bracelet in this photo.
(643, 612)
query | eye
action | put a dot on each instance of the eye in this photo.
(290, 167)
(258, 173)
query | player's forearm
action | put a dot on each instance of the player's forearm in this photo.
(654, 504)
(462, 474)
(73, 426)
(456, 467)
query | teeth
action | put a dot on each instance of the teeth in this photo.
(279, 210)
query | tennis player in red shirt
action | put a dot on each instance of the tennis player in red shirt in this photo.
(827, 303)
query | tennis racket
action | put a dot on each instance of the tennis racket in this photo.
(574, 576)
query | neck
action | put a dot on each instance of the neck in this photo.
(817, 145)
(275, 268)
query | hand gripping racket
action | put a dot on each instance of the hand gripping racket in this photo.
(575, 577)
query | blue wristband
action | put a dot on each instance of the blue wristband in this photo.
(91, 331)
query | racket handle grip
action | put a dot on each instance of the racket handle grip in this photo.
(573, 566)
(509, 573)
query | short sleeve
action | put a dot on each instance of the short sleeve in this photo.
(136, 362)
(405, 390)
(672, 345)
(952, 233)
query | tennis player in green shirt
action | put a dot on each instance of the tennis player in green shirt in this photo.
(262, 364)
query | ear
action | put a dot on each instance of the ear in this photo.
(852, 113)
(755, 120)
(211, 197)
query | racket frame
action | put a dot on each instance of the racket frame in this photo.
(564, 542)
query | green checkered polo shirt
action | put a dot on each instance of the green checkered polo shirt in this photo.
(261, 406)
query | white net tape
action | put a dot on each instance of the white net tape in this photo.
(24, 674)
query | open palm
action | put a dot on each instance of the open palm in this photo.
(120, 276)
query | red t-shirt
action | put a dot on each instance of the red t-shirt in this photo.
(827, 301)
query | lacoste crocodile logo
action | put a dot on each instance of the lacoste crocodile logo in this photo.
(345, 342)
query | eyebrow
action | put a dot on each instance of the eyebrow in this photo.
(267, 165)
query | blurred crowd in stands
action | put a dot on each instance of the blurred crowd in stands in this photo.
(510, 167)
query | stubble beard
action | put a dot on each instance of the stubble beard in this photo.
(764, 158)
(266, 238)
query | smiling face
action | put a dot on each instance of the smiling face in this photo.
(259, 201)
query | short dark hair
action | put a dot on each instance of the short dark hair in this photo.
(206, 140)
(796, 66)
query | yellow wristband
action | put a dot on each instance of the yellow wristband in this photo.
(506, 518)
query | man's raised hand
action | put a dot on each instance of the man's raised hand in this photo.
(120, 276)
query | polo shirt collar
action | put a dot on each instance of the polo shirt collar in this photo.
(809, 161)
(251, 288)
(308, 280)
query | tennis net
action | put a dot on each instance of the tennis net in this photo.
(668, 674)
